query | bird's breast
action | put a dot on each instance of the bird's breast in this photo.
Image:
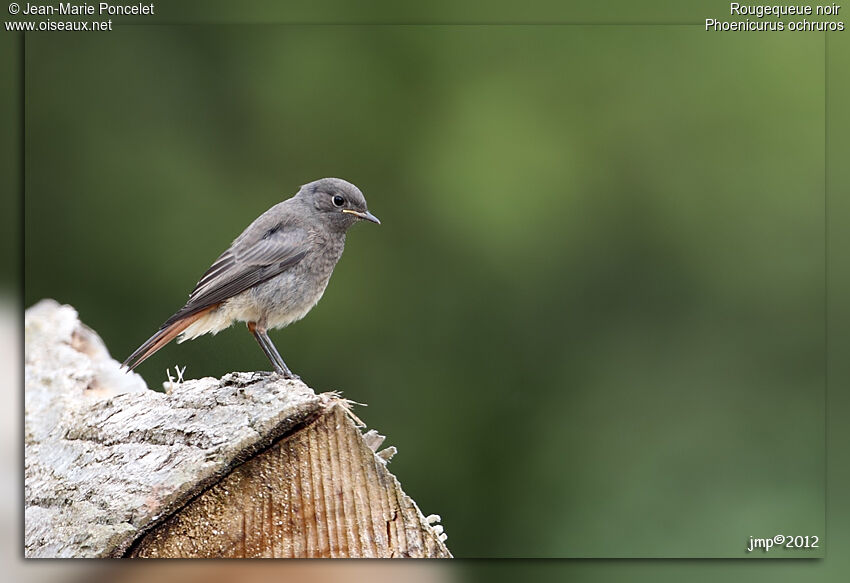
(289, 296)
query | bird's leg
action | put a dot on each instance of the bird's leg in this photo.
(280, 366)
(270, 351)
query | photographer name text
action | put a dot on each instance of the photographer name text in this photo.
(101, 9)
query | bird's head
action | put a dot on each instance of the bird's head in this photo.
(340, 203)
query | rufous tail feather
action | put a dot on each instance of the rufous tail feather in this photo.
(163, 336)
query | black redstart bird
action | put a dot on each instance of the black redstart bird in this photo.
(273, 273)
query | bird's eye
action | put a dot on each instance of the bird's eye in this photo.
(338, 200)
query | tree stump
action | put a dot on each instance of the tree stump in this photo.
(249, 465)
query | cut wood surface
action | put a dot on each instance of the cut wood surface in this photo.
(320, 492)
(246, 465)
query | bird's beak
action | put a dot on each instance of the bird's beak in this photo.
(364, 215)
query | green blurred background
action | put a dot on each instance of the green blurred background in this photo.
(593, 318)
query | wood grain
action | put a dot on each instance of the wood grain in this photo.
(321, 492)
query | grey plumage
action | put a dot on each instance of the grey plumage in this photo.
(273, 273)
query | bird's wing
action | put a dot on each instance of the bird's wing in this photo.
(252, 259)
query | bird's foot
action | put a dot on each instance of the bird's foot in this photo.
(287, 375)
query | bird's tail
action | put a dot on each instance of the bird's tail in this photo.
(162, 337)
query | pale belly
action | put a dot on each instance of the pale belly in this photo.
(273, 304)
